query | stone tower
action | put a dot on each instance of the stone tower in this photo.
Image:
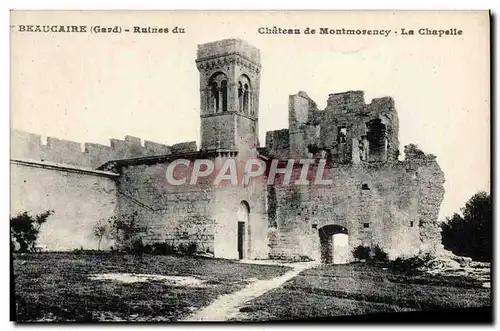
(229, 95)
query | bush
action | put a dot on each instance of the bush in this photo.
(192, 249)
(379, 255)
(361, 253)
(24, 230)
(83, 251)
(374, 253)
(411, 263)
(127, 232)
(187, 249)
(162, 249)
(138, 247)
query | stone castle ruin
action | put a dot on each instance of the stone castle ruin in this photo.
(374, 198)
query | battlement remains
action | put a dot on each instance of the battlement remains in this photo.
(26, 145)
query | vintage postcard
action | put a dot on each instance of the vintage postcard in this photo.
(171, 166)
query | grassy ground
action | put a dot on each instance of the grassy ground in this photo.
(361, 288)
(56, 287)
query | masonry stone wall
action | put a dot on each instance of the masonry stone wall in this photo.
(312, 130)
(173, 214)
(218, 131)
(25, 145)
(78, 197)
(278, 143)
(203, 213)
(227, 200)
(398, 202)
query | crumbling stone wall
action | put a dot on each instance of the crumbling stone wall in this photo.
(398, 201)
(431, 194)
(348, 130)
(380, 200)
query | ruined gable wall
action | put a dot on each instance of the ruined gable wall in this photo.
(312, 130)
(400, 193)
(350, 110)
(78, 198)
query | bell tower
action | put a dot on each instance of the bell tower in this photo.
(229, 95)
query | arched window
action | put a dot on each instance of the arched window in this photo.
(218, 92)
(223, 92)
(214, 104)
(245, 99)
(240, 97)
(245, 95)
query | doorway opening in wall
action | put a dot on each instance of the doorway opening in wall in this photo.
(334, 241)
(243, 229)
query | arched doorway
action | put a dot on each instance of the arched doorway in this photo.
(334, 241)
(243, 215)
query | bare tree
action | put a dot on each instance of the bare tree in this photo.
(100, 230)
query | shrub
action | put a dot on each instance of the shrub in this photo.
(374, 253)
(379, 255)
(192, 249)
(127, 231)
(162, 249)
(361, 253)
(83, 251)
(138, 247)
(411, 263)
(181, 249)
(24, 229)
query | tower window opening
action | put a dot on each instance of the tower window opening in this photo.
(245, 98)
(365, 187)
(342, 135)
(223, 91)
(245, 95)
(366, 225)
(240, 97)
(215, 97)
(218, 99)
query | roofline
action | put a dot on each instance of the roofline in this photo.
(62, 167)
(170, 157)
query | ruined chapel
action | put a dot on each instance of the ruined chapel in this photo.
(376, 197)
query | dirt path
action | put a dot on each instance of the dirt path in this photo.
(228, 306)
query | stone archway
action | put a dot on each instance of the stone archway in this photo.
(243, 217)
(334, 241)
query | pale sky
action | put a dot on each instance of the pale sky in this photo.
(90, 88)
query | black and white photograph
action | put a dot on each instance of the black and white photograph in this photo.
(250, 166)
